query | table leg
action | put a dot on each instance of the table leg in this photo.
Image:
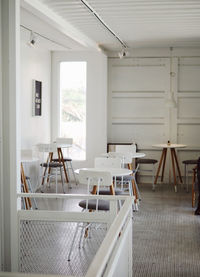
(173, 169)
(164, 161)
(133, 185)
(177, 165)
(159, 166)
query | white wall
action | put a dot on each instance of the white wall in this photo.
(96, 101)
(35, 64)
(138, 88)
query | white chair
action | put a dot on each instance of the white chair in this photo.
(101, 162)
(94, 180)
(126, 148)
(63, 143)
(126, 157)
(50, 168)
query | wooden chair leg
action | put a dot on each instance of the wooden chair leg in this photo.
(25, 188)
(61, 159)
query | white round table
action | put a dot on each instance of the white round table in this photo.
(172, 147)
(115, 172)
(134, 155)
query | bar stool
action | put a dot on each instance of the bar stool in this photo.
(186, 171)
(50, 173)
(152, 162)
(68, 164)
(61, 144)
(51, 169)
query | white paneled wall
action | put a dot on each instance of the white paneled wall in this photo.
(138, 88)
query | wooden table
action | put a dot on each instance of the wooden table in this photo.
(174, 160)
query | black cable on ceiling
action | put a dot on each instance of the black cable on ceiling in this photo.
(103, 23)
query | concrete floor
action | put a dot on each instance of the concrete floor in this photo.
(166, 234)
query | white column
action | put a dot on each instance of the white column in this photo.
(10, 129)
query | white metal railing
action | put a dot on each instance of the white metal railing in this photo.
(114, 256)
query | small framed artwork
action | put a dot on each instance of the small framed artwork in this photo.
(37, 98)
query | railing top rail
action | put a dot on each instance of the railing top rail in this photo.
(72, 196)
(98, 264)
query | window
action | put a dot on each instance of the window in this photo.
(73, 106)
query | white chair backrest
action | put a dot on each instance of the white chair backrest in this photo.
(126, 158)
(63, 141)
(101, 162)
(92, 177)
(126, 148)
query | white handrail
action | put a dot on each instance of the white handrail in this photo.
(73, 196)
(101, 258)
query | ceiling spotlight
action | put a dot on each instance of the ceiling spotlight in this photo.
(33, 39)
(123, 54)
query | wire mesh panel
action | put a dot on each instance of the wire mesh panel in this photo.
(44, 246)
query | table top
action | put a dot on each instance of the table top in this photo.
(51, 147)
(171, 145)
(134, 155)
(29, 160)
(114, 171)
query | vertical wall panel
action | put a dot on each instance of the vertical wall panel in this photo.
(138, 88)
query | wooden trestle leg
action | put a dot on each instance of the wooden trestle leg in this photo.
(61, 159)
(163, 155)
(25, 189)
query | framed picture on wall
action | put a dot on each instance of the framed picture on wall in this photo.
(37, 98)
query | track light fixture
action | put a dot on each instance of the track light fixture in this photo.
(33, 39)
(123, 53)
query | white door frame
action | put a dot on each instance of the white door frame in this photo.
(10, 130)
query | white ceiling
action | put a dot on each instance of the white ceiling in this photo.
(138, 23)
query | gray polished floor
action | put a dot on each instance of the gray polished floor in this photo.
(166, 234)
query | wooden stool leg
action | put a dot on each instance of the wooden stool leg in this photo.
(177, 165)
(61, 159)
(25, 187)
(45, 170)
(173, 169)
(159, 166)
(50, 160)
(193, 189)
(112, 191)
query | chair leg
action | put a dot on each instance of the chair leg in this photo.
(72, 244)
(73, 173)
(56, 182)
(187, 173)
(62, 180)
(68, 174)
(153, 177)
(31, 190)
(185, 176)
